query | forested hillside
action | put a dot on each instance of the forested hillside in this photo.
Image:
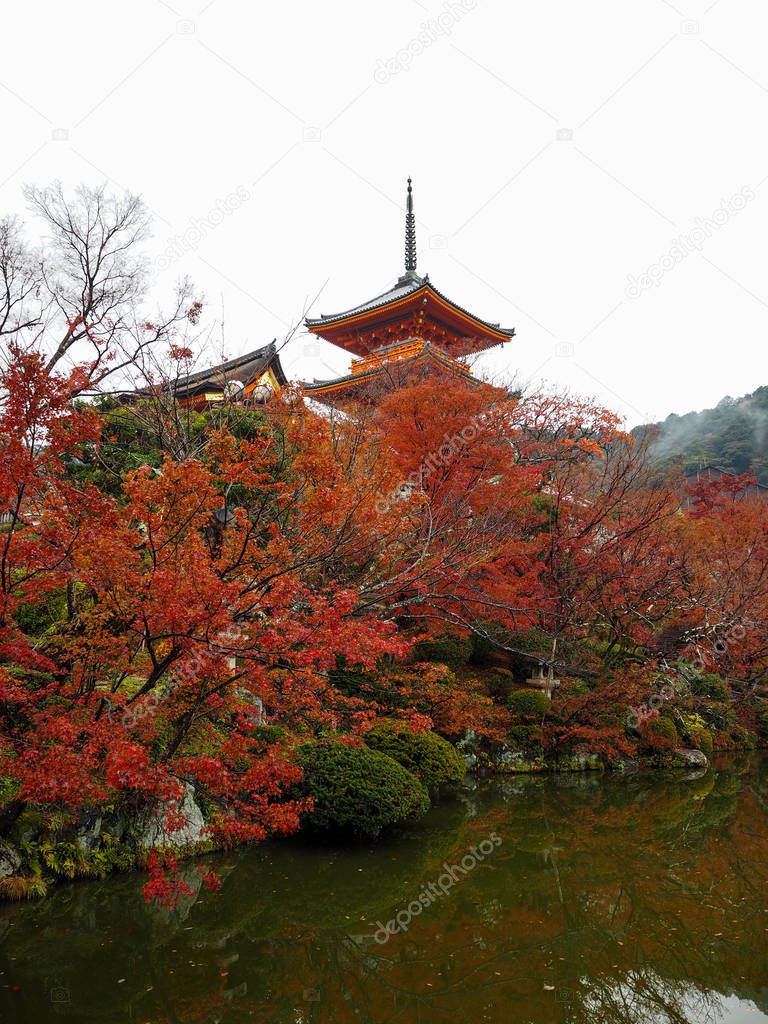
(732, 436)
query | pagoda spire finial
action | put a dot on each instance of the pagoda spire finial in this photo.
(410, 233)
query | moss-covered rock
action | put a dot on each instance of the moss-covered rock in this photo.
(689, 759)
(10, 859)
(664, 727)
(701, 739)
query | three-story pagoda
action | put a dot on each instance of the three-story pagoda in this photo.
(404, 334)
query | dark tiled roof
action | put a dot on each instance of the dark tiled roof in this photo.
(398, 291)
(714, 473)
(404, 287)
(244, 368)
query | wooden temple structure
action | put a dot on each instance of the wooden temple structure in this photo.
(251, 379)
(408, 332)
(404, 334)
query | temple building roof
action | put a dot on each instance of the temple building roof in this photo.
(235, 379)
(458, 330)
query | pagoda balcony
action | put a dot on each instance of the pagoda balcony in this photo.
(398, 351)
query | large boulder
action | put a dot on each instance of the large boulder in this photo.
(506, 759)
(690, 758)
(585, 762)
(468, 747)
(10, 859)
(88, 830)
(151, 830)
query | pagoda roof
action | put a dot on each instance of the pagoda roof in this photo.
(408, 288)
(403, 287)
(428, 358)
(365, 327)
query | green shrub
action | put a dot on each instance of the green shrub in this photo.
(524, 737)
(528, 703)
(113, 856)
(708, 684)
(449, 649)
(716, 714)
(742, 739)
(357, 790)
(481, 650)
(35, 617)
(658, 735)
(31, 677)
(500, 683)
(9, 787)
(693, 730)
(268, 734)
(48, 859)
(428, 756)
(572, 688)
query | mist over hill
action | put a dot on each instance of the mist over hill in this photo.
(733, 436)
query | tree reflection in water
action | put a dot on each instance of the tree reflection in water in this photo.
(622, 900)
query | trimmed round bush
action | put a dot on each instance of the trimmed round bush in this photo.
(357, 790)
(528, 703)
(428, 756)
(450, 650)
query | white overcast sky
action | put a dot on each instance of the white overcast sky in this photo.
(557, 149)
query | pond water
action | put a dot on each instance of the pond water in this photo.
(593, 899)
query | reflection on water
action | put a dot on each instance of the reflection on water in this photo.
(620, 900)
